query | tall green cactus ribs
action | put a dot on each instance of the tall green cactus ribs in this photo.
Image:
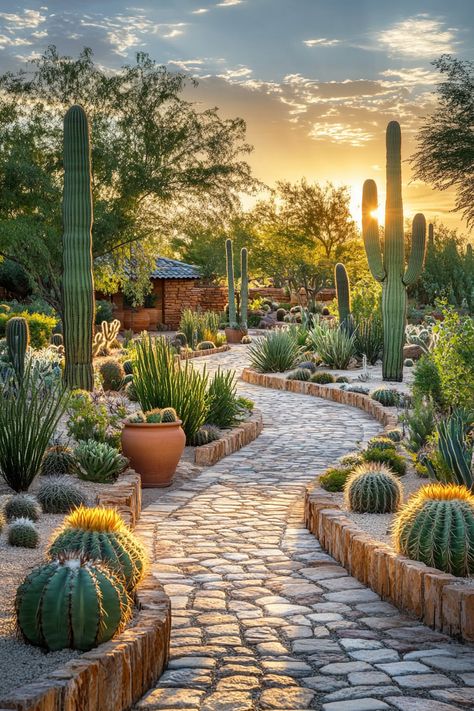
(244, 287)
(78, 280)
(229, 254)
(343, 293)
(390, 270)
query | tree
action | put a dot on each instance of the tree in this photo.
(445, 154)
(152, 153)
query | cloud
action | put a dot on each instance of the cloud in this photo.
(321, 42)
(239, 72)
(229, 3)
(200, 11)
(340, 133)
(419, 36)
(126, 31)
(12, 42)
(29, 19)
(412, 76)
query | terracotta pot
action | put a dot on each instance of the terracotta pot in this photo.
(154, 450)
(235, 335)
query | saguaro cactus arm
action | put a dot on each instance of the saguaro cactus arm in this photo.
(370, 230)
(417, 253)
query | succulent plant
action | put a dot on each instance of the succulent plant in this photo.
(112, 373)
(372, 488)
(408, 363)
(205, 346)
(343, 293)
(131, 391)
(380, 443)
(353, 459)
(106, 338)
(58, 460)
(153, 416)
(342, 379)
(436, 527)
(22, 506)
(181, 337)
(334, 479)
(58, 495)
(127, 367)
(359, 389)
(245, 340)
(395, 435)
(51, 610)
(78, 279)
(56, 340)
(98, 461)
(136, 418)
(386, 396)
(205, 435)
(18, 338)
(168, 414)
(299, 374)
(101, 534)
(128, 378)
(309, 365)
(230, 283)
(395, 462)
(322, 377)
(23, 533)
(244, 287)
(280, 314)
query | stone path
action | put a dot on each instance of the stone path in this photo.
(262, 617)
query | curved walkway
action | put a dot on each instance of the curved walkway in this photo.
(262, 617)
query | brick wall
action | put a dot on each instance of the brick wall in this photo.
(183, 294)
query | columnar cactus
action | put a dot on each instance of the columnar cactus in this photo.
(71, 602)
(343, 292)
(78, 280)
(18, 339)
(244, 287)
(230, 283)
(390, 271)
(431, 234)
(372, 488)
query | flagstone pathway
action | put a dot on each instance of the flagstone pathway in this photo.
(262, 617)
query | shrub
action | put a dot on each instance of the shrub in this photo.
(58, 495)
(99, 462)
(394, 461)
(334, 479)
(420, 422)
(223, 405)
(22, 506)
(101, 534)
(95, 416)
(299, 374)
(197, 326)
(435, 527)
(71, 580)
(104, 311)
(40, 326)
(322, 377)
(205, 346)
(112, 373)
(28, 420)
(453, 355)
(380, 443)
(334, 345)
(386, 396)
(274, 353)
(427, 380)
(372, 488)
(368, 338)
(58, 459)
(23, 533)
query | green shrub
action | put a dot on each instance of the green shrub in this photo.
(334, 479)
(322, 377)
(420, 422)
(274, 353)
(58, 459)
(386, 396)
(453, 355)
(394, 461)
(351, 460)
(112, 373)
(58, 495)
(223, 405)
(98, 462)
(22, 506)
(427, 380)
(40, 326)
(95, 416)
(104, 311)
(450, 460)
(23, 533)
(334, 345)
(368, 338)
(299, 374)
(372, 488)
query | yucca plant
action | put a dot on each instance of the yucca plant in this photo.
(274, 353)
(28, 421)
(334, 345)
(452, 463)
(223, 404)
(368, 339)
(161, 381)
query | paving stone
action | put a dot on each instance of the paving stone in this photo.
(353, 643)
(463, 697)
(396, 668)
(291, 698)
(375, 655)
(192, 678)
(361, 692)
(366, 704)
(450, 664)
(228, 701)
(423, 681)
(340, 668)
(171, 699)
(368, 678)
(415, 703)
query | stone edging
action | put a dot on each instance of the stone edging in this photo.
(125, 495)
(231, 441)
(207, 352)
(440, 600)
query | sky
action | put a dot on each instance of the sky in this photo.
(317, 81)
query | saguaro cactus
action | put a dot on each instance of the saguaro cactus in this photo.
(431, 234)
(390, 270)
(78, 280)
(244, 287)
(18, 338)
(343, 292)
(230, 283)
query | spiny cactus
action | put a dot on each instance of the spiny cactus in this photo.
(78, 280)
(380, 443)
(386, 397)
(153, 417)
(22, 506)
(205, 346)
(58, 495)
(101, 534)
(395, 435)
(58, 459)
(390, 271)
(168, 414)
(245, 340)
(51, 610)
(112, 373)
(23, 533)
(353, 459)
(343, 293)
(230, 283)
(18, 339)
(394, 461)
(372, 488)
(56, 340)
(181, 337)
(436, 527)
(322, 377)
(299, 374)
(244, 287)
(205, 435)
(105, 338)
(136, 418)
(128, 367)
(98, 461)
(280, 314)
(408, 363)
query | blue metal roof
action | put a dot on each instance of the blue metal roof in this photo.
(172, 269)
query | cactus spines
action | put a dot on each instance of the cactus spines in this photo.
(343, 292)
(104, 339)
(58, 459)
(372, 488)
(22, 506)
(436, 527)
(56, 340)
(51, 606)
(18, 338)
(23, 533)
(78, 280)
(390, 270)
(244, 287)
(230, 283)
(168, 414)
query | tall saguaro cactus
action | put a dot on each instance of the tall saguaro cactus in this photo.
(18, 339)
(390, 269)
(244, 287)
(229, 254)
(78, 280)
(343, 292)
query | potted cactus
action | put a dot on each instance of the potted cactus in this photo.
(237, 327)
(154, 441)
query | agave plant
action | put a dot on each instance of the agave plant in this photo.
(274, 353)
(452, 461)
(334, 345)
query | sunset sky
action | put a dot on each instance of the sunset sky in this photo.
(315, 81)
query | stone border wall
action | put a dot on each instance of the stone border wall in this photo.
(208, 352)
(231, 441)
(440, 600)
(125, 495)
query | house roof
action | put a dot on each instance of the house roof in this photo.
(173, 269)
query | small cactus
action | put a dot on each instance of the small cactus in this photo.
(136, 418)
(22, 506)
(395, 435)
(128, 367)
(18, 339)
(299, 374)
(359, 389)
(342, 379)
(372, 488)
(280, 314)
(153, 417)
(353, 459)
(205, 346)
(23, 533)
(58, 460)
(343, 293)
(57, 495)
(309, 365)
(181, 337)
(380, 443)
(322, 377)
(386, 396)
(246, 340)
(408, 363)
(205, 435)
(112, 373)
(57, 340)
(168, 414)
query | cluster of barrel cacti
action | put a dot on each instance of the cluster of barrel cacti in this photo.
(236, 319)
(93, 557)
(154, 417)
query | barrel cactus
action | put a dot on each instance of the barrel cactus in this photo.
(57, 340)
(78, 280)
(168, 414)
(386, 397)
(343, 293)
(372, 488)
(18, 339)
(280, 314)
(101, 534)
(71, 603)
(390, 270)
(322, 377)
(112, 373)
(153, 417)
(127, 367)
(380, 443)
(205, 435)
(22, 506)
(23, 533)
(436, 527)
(57, 494)
(395, 435)
(205, 346)
(58, 459)
(299, 374)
